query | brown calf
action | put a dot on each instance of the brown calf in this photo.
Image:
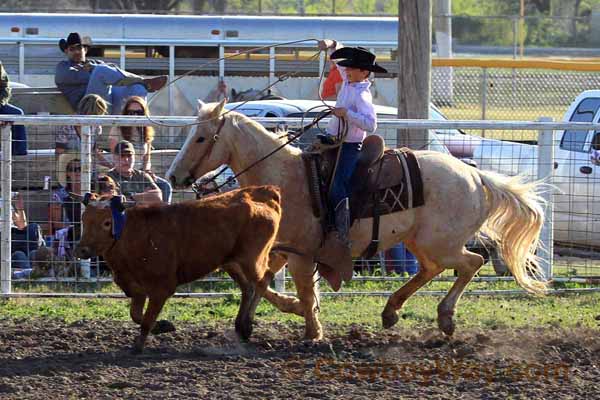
(162, 246)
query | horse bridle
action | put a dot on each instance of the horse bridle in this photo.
(196, 188)
(213, 140)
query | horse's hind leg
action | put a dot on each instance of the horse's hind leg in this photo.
(466, 264)
(427, 271)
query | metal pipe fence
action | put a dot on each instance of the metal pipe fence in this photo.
(30, 176)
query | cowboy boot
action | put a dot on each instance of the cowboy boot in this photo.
(335, 252)
(151, 84)
(342, 221)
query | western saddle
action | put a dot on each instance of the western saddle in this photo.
(385, 181)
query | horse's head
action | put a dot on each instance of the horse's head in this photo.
(204, 149)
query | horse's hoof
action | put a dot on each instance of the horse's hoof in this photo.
(314, 333)
(446, 325)
(138, 348)
(163, 326)
(244, 330)
(313, 337)
(389, 318)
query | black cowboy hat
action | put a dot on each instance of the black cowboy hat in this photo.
(73, 39)
(357, 57)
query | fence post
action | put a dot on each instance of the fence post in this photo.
(280, 280)
(122, 56)
(545, 171)
(484, 80)
(21, 62)
(271, 65)
(171, 90)
(86, 180)
(6, 216)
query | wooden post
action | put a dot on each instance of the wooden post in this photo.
(414, 69)
(442, 25)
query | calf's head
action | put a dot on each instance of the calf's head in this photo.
(97, 236)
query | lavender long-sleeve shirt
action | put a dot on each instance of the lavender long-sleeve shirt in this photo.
(356, 98)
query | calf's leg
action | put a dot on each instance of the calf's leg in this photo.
(136, 308)
(155, 305)
(261, 287)
(243, 323)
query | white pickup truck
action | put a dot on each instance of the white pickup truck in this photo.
(577, 201)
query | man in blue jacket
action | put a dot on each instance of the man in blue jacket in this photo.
(78, 76)
(19, 135)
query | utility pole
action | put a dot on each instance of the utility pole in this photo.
(443, 92)
(414, 69)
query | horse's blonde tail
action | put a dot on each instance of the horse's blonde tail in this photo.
(515, 219)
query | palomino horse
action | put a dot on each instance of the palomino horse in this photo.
(459, 201)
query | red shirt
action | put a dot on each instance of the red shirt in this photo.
(333, 79)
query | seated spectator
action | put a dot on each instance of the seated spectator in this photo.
(19, 135)
(133, 183)
(64, 214)
(78, 76)
(141, 137)
(26, 238)
(68, 138)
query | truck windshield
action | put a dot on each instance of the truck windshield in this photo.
(574, 140)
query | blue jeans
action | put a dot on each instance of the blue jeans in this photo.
(343, 175)
(102, 82)
(165, 188)
(28, 239)
(20, 260)
(19, 135)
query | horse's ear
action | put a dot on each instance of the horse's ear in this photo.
(216, 113)
(201, 104)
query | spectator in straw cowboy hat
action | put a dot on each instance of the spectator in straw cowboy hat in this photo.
(354, 105)
(78, 76)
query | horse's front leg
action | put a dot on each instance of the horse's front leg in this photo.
(302, 271)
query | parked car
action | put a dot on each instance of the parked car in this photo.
(309, 109)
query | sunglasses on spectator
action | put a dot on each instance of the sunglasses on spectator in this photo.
(73, 169)
(134, 112)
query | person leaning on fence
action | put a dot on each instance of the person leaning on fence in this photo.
(355, 105)
(133, 183)
(26, 238)
(19, 134)
(141, 137)
(78, 76)
(68, 137)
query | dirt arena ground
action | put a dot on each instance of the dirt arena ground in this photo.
(50, 359)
